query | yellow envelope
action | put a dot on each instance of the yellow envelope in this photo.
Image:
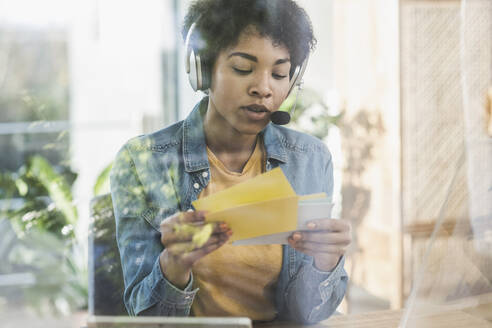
(263, 205)
(270, 185)
(260, 218)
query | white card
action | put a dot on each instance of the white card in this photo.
(306, 211)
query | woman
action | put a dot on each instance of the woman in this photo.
(250, 52)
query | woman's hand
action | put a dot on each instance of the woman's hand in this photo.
(326, 241)
(186, 239)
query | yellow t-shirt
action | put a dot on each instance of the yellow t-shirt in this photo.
(237, 280)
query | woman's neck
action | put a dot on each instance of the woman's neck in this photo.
(230, 146)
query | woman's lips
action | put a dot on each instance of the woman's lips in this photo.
(256, 112)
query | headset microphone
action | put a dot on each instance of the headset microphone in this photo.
(280, 117)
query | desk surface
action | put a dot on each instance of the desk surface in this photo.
(479, 316)
(469, 312)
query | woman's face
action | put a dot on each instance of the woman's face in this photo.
(249, 81)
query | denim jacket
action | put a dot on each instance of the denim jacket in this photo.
(157, 175)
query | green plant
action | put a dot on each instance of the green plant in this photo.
(311, 114)
(102, 182)
(46, 199)
(39, 206)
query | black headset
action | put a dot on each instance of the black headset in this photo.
(200, 78)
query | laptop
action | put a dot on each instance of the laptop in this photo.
(166, 322)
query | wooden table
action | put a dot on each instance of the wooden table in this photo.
(473, 315)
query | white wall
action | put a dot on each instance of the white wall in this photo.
(319, 73)
(115, 72)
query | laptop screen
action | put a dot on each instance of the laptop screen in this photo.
(166, 322)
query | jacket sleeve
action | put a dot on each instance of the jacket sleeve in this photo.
(147, 292)
(312, 295)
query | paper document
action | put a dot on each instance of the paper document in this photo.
(264, 209)
(307, 211)
(270, 185)
(261, 218)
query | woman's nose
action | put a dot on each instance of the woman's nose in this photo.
(260, 86)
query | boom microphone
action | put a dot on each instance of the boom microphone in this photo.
(280, 117)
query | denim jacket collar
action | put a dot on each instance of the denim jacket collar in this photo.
(274, 147)
(194, 148)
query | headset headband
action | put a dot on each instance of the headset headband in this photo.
(199, 74)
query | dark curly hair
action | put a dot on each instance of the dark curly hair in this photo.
(220, 22)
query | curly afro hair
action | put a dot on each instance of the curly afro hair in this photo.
(219, 24)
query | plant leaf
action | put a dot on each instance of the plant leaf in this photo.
(102, 182)
(58, 189)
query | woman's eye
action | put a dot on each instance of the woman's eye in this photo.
(241, 71)
(279, 76)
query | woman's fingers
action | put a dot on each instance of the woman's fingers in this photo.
(184, 226)
(190, 218)
(330, 238)
(184, 217)
(329, 224)
(187, 237)
(186, 247)
(172, 226)
(173, 238)
(190, 257)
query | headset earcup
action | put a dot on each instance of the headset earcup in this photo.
(199, 74)
(193, 74)
(206, 77)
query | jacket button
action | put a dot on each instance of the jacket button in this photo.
(205, 174)
(196, 185)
